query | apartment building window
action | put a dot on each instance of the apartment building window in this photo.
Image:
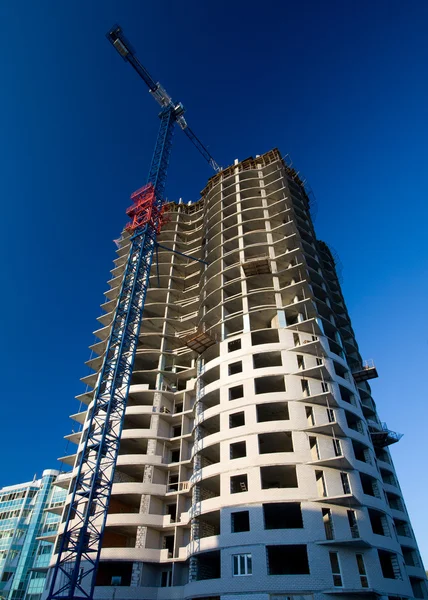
(324, 386)
(242, 564)
(234, 345)
(310, 416)
(335, 569)
(330, 415)
(176, 431)
(369, 485)
(328, 524)
(237, 420)
(238, 450)
(313, 444)
(296, 339)
(236, 392)
(283, 515)
(379, 522)
(389, 565)
(272, 411)
(269, 384)
(238, 484)
(287, 560)
(321, 487)
(240, 521)
(353, 525)
(300, 361)
(166, 579)
(305, 387)
(362, 571)
(344, 477)
(235, 368)
(337, 448)
(267, 359)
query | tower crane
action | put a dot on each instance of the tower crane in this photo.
(80, 540)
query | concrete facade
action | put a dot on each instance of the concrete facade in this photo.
(253, 463)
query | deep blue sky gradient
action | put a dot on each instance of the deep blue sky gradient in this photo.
(341, 86)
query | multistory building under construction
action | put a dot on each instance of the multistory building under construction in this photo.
(252, 461)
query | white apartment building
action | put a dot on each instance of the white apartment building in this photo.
(253, 464)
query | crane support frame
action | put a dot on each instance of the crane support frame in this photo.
(79, 543)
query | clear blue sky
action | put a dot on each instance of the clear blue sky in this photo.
(340, 85)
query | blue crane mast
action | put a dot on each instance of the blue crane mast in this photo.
(80, 541)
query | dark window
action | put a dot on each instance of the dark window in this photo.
(267, 359)
(287, 560)
(418, 587)
(269, 384)
(238, 450)
(281, 476)
(234, 345)
(377, 521)
(280, 441)
(236, 420)
(175, 456)
(236, 392)
(166, 578)
(235, 368)
(238, 484)
(283, 515)
(208, 566)
(269, 336)
(176, 431)
(240, 521)
(389, 565)
(272, 411)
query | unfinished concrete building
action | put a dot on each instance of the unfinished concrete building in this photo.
(252, 461)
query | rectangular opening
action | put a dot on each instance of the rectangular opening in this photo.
(242, 565)
(310, 416)
(237, 420)
(283, 515)
(402, 528)
(176, 431)
(305, 387)
(362, 570)
(344, 477)
(269, 384)
(281, 476)
(320, 481)
(208, 566)
(353, 525)
(240, 521)
(377, 522)
(280, 441)
(328, 524)
(272, 411)
(238, 450)
(335, 569)
(265, 336)
(300, 361)
(235, 368)
(236, 392)
(175, 456)
(234, 345)
(238, 484)
(267, 359)
(389, 565)
(369, 485)
(287, 560)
